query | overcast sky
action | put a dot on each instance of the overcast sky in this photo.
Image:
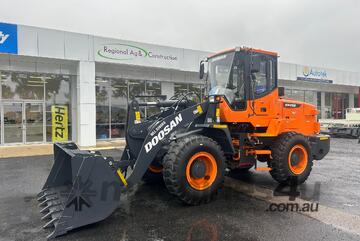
(311, 32)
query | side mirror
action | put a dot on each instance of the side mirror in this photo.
(201, 72)
(281, 91)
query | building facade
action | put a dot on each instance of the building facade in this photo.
(57, 85)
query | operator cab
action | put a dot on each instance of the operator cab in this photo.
(240, 75)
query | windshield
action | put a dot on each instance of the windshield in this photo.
(219, 68)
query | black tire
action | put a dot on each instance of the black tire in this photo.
(279, 163)
(175, 164)
(151, 177)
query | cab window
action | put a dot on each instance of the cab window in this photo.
(237, 85)
(264, 78)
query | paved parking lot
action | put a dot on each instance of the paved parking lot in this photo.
(150, 213)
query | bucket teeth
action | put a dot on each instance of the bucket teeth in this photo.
(47, 199)
(45, 209)
(45, 194)
(51, 236)
(42, 203)
(50, 214)
(50, 205)
(50, 223)
(72, 194)
(42, 192)
(41, 198)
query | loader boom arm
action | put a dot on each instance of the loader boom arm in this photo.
(158, 134)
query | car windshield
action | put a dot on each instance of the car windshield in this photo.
(219, 68)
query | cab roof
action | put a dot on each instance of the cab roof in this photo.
(244, 49)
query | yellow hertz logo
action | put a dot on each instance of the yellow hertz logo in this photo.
(59, 116)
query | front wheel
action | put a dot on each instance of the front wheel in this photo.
(153, 174)
(194, 169)
(291, 160)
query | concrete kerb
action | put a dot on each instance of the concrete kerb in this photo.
(47, 149)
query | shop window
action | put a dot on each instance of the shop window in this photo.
(119, 89)
(195, 92)
(153, 88)
(23, 86)
(328, 99)
(309, 97)
(102, 108)
(37, 92)
(118, 120)
(119, 102)
(356, 101)
(137, 88)
(180, 89)
(339, 104)
(288, 92)
(198, 92)
(57, 92)
(7, 86)
(318, 97)
(318, 103)
(113, 96)
(298, 95)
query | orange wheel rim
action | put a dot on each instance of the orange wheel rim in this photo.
(155, 169)
(298, 159)
(208, 162)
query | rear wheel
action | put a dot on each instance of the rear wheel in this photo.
(194, 169)
(292, 160)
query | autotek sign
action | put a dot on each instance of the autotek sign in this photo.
(124, 52)
(8, 38)
(314, 75)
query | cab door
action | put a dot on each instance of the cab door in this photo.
(263, 84)
(237, 83)
(253, 79)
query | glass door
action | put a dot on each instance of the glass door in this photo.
(34, 122)
(23, 122)
(13, 129)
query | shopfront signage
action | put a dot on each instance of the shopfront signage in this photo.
(123, 52)
(109, 50)
(59, 117)
(314, 75)
(8, 38)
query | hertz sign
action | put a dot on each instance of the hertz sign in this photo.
(59, 116)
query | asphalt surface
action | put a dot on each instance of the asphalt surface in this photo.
(149, 213)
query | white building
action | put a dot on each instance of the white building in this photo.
(94, 77)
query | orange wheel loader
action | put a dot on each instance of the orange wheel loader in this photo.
(244, 121)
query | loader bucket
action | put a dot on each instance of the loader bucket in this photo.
(82, 188)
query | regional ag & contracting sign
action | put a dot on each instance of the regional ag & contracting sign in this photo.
(124, 52)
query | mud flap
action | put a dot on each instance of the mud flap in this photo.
(83, 187)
